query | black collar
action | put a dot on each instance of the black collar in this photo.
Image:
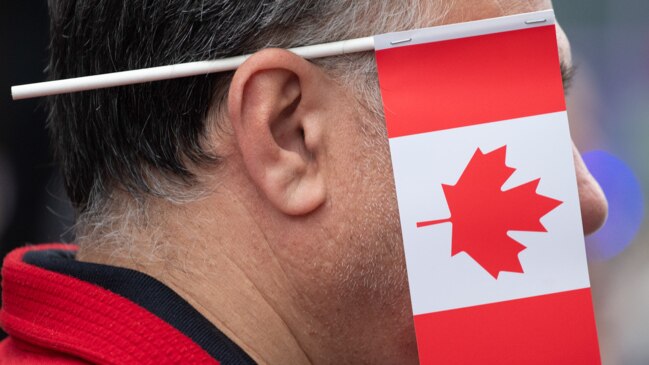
(148, 293)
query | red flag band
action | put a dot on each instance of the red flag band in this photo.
(471, 80)
(549, 329)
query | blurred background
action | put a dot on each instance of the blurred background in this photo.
(609, 116)
(609, 113)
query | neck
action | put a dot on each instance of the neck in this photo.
(229, 275)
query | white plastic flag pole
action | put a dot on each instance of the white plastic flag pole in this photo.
(179, 70)
(229, 64)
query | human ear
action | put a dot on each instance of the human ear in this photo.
(274, 106)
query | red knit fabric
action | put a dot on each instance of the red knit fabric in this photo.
(56, 319)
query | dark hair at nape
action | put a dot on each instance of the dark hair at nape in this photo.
(126, 137)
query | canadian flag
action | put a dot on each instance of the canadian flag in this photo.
(487, 193)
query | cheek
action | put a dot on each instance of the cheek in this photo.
(371, 213)
(379, 211)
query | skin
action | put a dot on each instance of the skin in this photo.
(297, 255)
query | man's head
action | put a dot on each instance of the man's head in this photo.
(274, 179)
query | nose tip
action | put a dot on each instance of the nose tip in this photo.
(594, 207)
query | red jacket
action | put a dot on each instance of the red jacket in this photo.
(57, 310)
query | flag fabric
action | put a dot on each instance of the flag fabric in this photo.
(487, 193)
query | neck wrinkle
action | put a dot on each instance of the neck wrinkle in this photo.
(264, 313)
(211, 268)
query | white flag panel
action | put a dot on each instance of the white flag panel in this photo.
(538, 147)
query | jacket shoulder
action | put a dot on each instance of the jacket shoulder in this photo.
(14, 352)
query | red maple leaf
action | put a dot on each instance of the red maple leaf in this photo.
(482, 214)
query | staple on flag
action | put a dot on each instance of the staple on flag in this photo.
(487, 194)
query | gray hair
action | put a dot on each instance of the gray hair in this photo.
(112, 215)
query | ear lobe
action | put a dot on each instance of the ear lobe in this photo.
(278, 130)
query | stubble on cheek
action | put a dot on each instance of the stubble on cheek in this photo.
(375, 265)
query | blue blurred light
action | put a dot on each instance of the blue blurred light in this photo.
(625, 202)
